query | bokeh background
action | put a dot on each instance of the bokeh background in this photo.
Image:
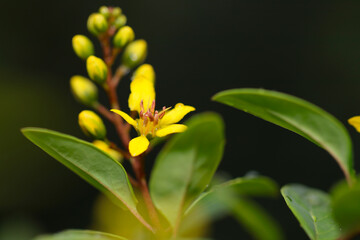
(310, 49)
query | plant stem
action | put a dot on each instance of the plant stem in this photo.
(123, 130)
(119, 73)
(104, 112)
(138, 166)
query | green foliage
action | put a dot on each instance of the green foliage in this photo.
(229, 198)
(86, 160)
(313, 210)
(298, 116)
(180, 202)
(80, 235)
(346, 207)
(255, 220)
(186, 165)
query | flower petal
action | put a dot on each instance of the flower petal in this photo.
(126, 117)
(138, 145)
(173, 128)
(176, 114)
(355, 122)
(142, 89)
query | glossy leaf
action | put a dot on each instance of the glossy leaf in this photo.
(313, 210)
(346, 205)
(80, 235)
(228, 199)
(298, 116)
(90, 163)
(186, 165)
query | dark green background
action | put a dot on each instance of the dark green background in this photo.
(310, 49)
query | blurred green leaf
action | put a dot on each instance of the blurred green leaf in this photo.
(255, 220)
(87, 161)
(346, 206)
(246, 186)
(80, 235)
(312, 209)
(186, 165)
(228, 198)
(298, 116)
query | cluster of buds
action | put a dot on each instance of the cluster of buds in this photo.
(108, 25)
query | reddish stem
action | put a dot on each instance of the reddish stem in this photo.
(123, 129)
(138, 166)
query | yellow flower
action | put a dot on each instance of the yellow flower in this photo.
(355, 122)
(151, 123)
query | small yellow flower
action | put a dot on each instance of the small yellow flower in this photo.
(355, 122)
(151, 123)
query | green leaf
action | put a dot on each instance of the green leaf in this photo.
(345, 202)
(90, 163)
(312, 209)
(255, 220)
(80, 235)
(246, 186)
(186, 165)
(228, 198)
(298, 116)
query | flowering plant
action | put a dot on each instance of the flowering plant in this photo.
(184, 195)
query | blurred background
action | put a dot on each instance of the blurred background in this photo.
(198, 47)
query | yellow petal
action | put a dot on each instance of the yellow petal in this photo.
(142, 89)
(355, 122)
(176, 114)
(173, 128)
(126, 117)
(146, 71)
(138, 145)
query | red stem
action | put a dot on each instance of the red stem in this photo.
(138, 166)
(123, 129)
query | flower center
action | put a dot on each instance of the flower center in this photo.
(149, 119)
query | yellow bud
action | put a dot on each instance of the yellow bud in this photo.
(135, 53)
(97, 24)
(124, 36)
(84, 90)
(105, 148)
(96, 69)
(82, 46)
(104, 10)
(92, 125)
(116, 11)
(120, 21)
(146, 71)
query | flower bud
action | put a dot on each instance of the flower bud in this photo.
(123, 37)
(105, 147)
(97, 24)
(104, 10)
(82, 46)
(135, 53)
(116, 12)
(96, 69)
(84, 90)
(92, 125)
(120, 21)
(146, 71)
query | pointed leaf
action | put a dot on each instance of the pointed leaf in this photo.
(298, 116)
(90, 163)
(80, 235)
(186, 165)
(312, 209)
